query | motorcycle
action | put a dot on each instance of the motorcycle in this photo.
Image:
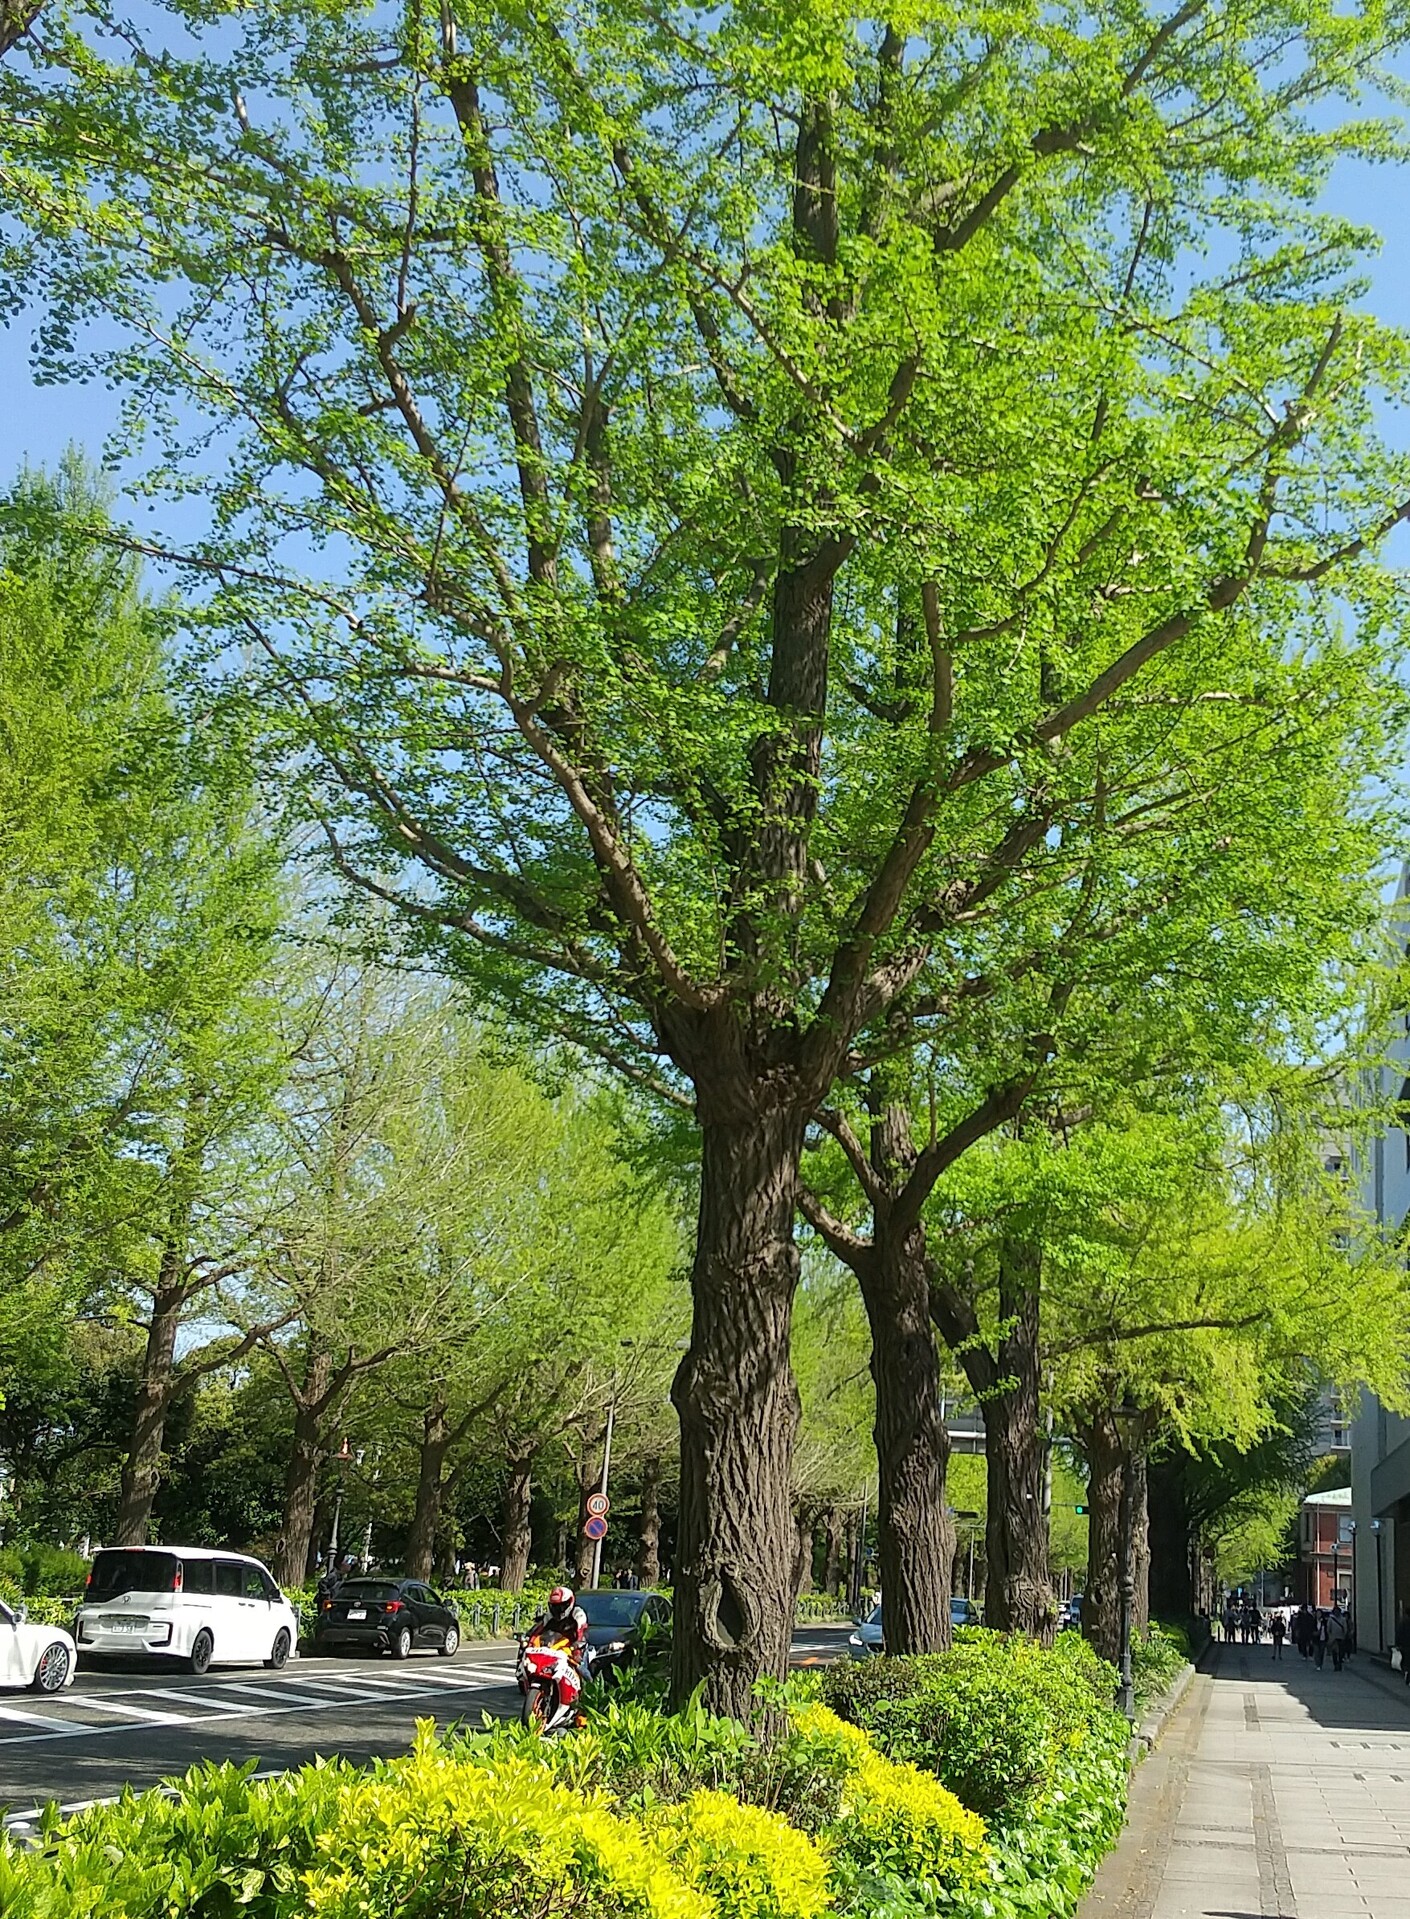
(549, 1682)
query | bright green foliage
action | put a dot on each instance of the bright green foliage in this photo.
(993, 1719)
(1158, 1656)
(751, 1864)
(780, 532)
(892, 1817)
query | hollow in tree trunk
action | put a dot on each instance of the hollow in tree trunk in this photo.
(518, 1535)
(649, 1554)
(421, 1540)
(738, 1407)
(1018, 1595)
(141, 1471)
(915, 1535)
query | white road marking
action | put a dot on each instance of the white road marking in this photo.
(99, 1702)
(24, 1718)
(274, 1697)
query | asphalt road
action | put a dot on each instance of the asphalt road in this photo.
(139, 1725)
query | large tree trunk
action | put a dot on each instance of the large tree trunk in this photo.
(141, 1471)
(518, 1535)
(1101, 1601)
(1141, 1543)
(421, 1540)
(832, 1551)
(1170, 1585)
(305, 1460)
(806, 1522)
(1018, 1595)
(915, 1536)
(649, 1555)
(738, 1407)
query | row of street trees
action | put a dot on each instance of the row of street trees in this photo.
(827, 562)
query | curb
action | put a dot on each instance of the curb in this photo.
(1148, 1733)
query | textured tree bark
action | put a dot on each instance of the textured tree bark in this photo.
(421, 1540)
(649, 1555)
(518, 1536)
(141, 1471)
(738, 1407)
(915, 1536)
(1101, 1600)
(832, 1551)
(305, 1460)
(1018, 1594)
(806, 1523)
(1141, 1540)
(1170, 1586)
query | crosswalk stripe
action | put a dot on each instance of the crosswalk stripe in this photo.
(207, 1699)
(23, 1718)
(268, 1697)
(95, 1702)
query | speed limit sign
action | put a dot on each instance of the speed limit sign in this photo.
(599, 1505)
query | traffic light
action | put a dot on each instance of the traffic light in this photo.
(1079, 1509)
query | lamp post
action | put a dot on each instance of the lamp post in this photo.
(1129, 1422)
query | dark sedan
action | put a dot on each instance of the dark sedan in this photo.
(387, 1615)
(619, 1621)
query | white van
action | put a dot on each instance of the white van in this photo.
(184, 1602)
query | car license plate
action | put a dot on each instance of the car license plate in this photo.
(127, 1625)
(357, 1612)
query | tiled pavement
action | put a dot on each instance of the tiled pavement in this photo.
(1278, 1792)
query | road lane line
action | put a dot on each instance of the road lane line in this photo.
(207, 1699)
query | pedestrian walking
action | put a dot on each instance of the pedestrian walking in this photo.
(1304, 1630)
(1278, 1630)
(1402, 1643)
(1337, 1635)
(1319, 1644)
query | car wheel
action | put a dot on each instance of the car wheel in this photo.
(401, 1644)
(279, 1657)
(52, 1672)
(450, 1645)
(202, 1647)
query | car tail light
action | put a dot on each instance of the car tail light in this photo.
(180, 1577)
(392, 1605)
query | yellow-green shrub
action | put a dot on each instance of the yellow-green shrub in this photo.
(434, 1835)
(749, 1863)
(894, 1818)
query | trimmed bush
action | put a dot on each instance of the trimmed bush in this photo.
(750, 1864)
(992, 1718)
(892, 1818)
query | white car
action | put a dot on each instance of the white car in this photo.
(41, 1657)
(193, 1603)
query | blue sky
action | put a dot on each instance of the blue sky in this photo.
(38, 422)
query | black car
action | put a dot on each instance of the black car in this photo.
(617, 1623)
(386, 1615)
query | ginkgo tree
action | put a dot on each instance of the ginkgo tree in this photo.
(731, 501)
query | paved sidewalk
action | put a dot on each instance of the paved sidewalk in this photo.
(1278, 1792)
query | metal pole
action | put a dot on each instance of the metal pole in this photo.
(602, 1487)
(859, 1556)
(1126, 1693)
(1380, 1617)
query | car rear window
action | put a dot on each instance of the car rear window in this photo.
(611, 1609)
(116, 1572)
(357, 1590)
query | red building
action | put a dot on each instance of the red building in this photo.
(1326, 1532)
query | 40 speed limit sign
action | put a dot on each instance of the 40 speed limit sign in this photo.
(598, 1505)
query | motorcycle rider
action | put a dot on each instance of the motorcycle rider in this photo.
(566, 1619)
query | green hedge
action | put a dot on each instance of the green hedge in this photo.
(644, 1814)
(1025, 1737)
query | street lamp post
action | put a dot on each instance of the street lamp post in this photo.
(602, 1486)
